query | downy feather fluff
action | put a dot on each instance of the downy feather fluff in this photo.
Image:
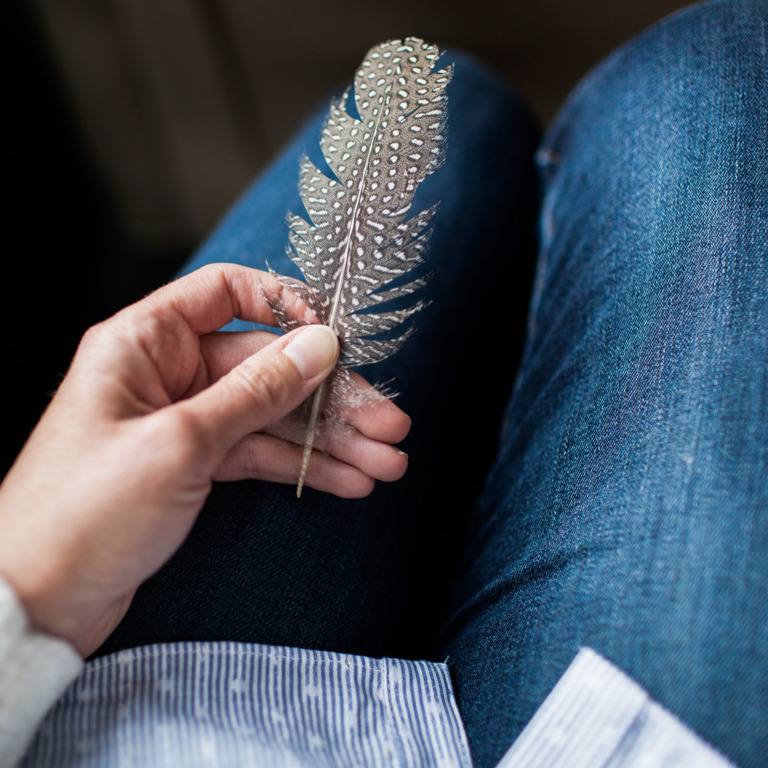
(361, 236)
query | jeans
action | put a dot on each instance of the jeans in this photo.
(611, 489)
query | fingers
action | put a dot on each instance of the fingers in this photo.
(344, 455)
(379, 460)
(212, 296)
(223, 351)
(375, 415)
(353, 452)
(263, 388)
(372, 414)
(265, 457)
(153, 345)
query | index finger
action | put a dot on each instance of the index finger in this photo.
(215, 294)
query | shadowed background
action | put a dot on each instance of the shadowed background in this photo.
(135, 123)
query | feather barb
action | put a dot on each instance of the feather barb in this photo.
(359, 248)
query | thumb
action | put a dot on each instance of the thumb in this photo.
(266, 386)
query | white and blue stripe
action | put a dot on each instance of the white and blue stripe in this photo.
(230, 704)
(597, 717)
(234, 705)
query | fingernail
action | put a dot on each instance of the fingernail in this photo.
(313, 349)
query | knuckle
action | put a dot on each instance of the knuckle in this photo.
(95, 337)
(182, 437)
(212, 269)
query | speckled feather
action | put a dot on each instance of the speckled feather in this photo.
(360, 239)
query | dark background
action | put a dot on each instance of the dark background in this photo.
(133, 124)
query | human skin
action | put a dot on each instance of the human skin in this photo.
(155, 406)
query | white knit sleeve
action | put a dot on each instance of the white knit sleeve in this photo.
(34, 671)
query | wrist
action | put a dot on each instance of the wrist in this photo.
(36, 586)
(51, 610)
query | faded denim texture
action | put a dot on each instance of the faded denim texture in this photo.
(627, 507)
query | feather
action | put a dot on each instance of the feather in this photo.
(361, 242)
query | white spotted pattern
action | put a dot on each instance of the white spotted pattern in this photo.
(350, 259)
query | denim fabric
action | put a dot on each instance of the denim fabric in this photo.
(628, 506)
(627, 509)
(366, 577)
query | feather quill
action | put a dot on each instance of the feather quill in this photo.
(361, 242)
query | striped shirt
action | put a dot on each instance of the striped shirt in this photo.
(231, 704)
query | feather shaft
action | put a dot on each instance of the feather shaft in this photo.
(309, 440)
(359, 240)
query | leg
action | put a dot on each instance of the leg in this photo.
(363, 576)
(628, 507)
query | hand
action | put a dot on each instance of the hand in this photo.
(154, 407)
